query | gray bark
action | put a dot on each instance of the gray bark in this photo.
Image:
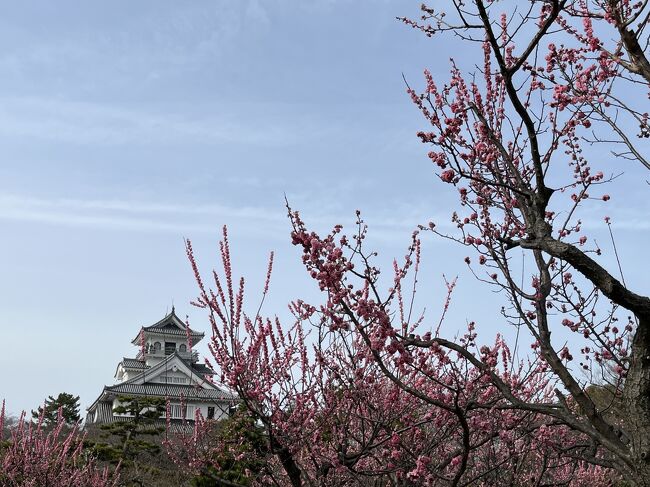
(636, 395)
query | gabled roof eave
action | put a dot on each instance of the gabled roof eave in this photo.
(171, 318)
(166, 364)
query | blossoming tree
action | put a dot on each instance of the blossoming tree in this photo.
(37, 456)
(513, 144)
(378, 393)
(352, 405)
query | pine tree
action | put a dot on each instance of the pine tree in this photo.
(68, 404)
(128, 437)
(239, 454)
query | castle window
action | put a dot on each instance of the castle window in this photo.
(182, 411)
(182, 348)
(156, 347)
(170, 347)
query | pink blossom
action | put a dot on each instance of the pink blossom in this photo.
(448, 175)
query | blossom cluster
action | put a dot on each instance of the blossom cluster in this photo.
(36, 456)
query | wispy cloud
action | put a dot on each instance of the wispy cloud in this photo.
(151, 216)
(132, 207)
(92, 123)
(129, 215)
(390, 225)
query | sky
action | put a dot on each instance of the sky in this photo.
(126, 127)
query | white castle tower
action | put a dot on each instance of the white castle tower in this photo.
(165, 367)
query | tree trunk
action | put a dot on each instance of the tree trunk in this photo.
(287, 461)
(290, 466)
(636, 395)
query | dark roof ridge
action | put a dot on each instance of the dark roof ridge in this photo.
(169, 319)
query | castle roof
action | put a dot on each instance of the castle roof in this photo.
(140, 365)
(142, 384)
(133, 363)
(170, 391)
(170, 325)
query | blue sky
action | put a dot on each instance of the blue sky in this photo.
(128, 126)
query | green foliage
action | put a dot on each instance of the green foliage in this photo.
(68, 404)
(135, 436)
(134, 443)
(241, 453)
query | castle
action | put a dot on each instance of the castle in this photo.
(165, 367)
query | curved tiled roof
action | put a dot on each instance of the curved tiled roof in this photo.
(133, 363)
(170, 390)
(170, 325)
(171, 329)
(200, 368)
